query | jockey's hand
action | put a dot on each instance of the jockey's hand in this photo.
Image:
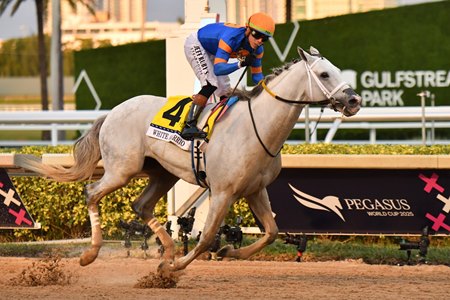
(247, 60)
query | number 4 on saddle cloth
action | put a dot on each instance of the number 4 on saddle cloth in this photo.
(169, 122)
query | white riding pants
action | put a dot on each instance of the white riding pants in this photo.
(202, 63)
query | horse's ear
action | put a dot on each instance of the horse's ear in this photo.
(302, 53)
(314, 51)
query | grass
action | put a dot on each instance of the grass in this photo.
(40, 250)
(320, 248)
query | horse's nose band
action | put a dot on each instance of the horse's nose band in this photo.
(325, 91)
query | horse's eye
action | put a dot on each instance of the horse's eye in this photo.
(324, 75)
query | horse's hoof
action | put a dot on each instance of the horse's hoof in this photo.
(225, 251)
(165, 269)
(88, 256)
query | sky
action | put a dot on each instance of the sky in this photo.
(23, 23)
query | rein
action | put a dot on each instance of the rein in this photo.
(257, 134)
(329, 94)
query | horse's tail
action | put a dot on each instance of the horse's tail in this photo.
(86, 153)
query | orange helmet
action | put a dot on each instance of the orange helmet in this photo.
(263, 23)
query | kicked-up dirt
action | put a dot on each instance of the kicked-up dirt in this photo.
(113, 277)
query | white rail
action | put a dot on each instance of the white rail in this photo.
(51, 116)
(384, 114)
(53, 121)
(373, 118)
(369, 118)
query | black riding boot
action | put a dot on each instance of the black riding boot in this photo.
(191, 131)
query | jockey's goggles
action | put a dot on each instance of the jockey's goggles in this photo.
(258, 35)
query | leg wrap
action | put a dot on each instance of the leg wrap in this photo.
(95, 219)
(154, 225)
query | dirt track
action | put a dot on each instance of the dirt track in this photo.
(114, 278)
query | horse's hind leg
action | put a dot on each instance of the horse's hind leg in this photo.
(160, 183)
(94, 192)
(260, 204)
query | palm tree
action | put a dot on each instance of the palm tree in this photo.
(41, 9)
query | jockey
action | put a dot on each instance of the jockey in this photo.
(208, 52)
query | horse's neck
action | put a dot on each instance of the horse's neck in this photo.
(277, 118)
(291, 84)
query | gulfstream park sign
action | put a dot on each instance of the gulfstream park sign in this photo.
(386, 88)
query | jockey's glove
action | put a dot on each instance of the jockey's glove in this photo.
(247, 60)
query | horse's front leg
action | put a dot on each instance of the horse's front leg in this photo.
(144, 207)
(160, 182)
(260, 204)
(216, 214)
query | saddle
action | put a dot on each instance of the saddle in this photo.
(169, 122)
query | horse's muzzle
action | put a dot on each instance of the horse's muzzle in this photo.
(352, 104)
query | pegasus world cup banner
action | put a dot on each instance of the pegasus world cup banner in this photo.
(347, 201)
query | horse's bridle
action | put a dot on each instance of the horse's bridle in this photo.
(329, 94)
(311, 75)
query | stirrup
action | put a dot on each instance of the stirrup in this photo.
(191, 133)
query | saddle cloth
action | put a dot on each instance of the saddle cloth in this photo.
(169, 122)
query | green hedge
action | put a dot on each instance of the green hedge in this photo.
(121, 72)
(61, 209)
(415, 37)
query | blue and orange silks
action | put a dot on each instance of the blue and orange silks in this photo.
(225, 41)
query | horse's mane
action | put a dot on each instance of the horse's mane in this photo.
(246, 95)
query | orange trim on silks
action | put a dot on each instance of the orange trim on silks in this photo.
(260, 55)
(219, 60)
(224, 46)
(256, 69)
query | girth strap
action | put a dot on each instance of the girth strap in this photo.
(196, 156)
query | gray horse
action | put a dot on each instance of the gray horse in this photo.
(242, 156)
